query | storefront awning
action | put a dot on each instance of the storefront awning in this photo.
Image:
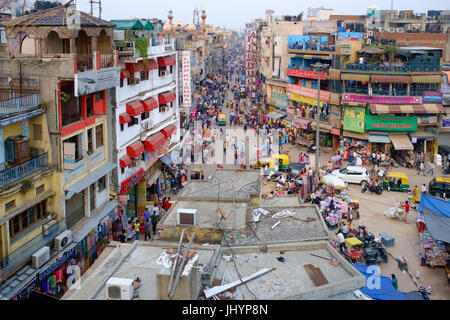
(356, 135)
(89, 179)
(166, 97)
(150, 104)
(168, 131)
(124, 74)
(390, 79)
(135, 67)
(167, 160)
(406, 108)
(355, 76)
(401, 142)
(166, 61)
(422, 135)
(152, 143)
(134, 150)
(322, 126)
(379, 138)
(276, 115)
(135, 108)
(302, 123)
(335, 131)
(124, 118)
(427, 79)
(151, 64)
(124, 161)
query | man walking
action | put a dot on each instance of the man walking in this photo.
(147, 229)
(424, 189)
(406, 206)
(154, 219)
(430, 169)
(421, 168)
(341, 240)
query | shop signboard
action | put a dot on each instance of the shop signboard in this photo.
(349, 36)
(96, 80)
(56, 263)
(308, 92)
(433, 97)
(335, 131)
(186, 64)
(346, 49)
(446, 123)
(354, 118)
(123, 199)
(380, 99)
(142, 195)
(132, 181)
(279, 96)
(306, 74)
(307, 100)
(282, 105)
(390, 123)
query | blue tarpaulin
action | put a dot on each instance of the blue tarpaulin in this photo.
(436, 214)
(378, 287)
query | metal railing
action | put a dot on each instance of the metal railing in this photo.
(321, 46)
(24, 253)
(376, 67)
(19, 104)
(23, 170)
(84, 62)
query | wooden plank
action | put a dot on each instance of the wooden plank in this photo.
(315, 274)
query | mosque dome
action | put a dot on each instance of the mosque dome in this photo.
(167, 27)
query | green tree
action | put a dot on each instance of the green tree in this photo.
(391, 52)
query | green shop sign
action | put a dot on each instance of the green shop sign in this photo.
(279, 96)
(354, 119)
(391, 123)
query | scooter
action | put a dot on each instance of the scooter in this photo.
(378, 189)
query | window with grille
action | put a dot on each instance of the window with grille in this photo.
(25, 220)
(99, 136)
(186, 218)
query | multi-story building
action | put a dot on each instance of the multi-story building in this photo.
(60, 148)
(144, 118)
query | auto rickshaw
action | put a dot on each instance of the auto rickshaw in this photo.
(222, 119)
(396, 181)
(283, 161)
(268, 165)
(354, 254)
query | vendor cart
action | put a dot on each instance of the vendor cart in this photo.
(354, 246)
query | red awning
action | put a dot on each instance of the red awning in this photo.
(166, 97)
(124, 118)
(124, 74)
(154, 141)
(166, 61)
(135, 150)
(168, 131)
(150, 104)
(135, 108)
(124, 161)
(151, 64)
(135, 67)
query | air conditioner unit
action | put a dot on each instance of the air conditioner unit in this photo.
(119, 289)
(145, 125)
(366, 35)
(134, 81)
(400, 30)
(370, 33)
(163, 73)
(63, 240)
(370, 91)
(134, 163)
(40, 257)
(46, 227)
(369, 41)
(391, 30)
(187, 216)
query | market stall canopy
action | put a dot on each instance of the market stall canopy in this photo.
(135, 108)
(355, 76)
(356, 135)
(379, 138)
(422, 135)
(390, 79)
(276, 115)
(401, 142)
(331, 180)
(436, 214)
(378, 290)
(427, 79)
(167, 160)
(371, 50)
(377, 108)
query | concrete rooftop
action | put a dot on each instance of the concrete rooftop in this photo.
(290, 280)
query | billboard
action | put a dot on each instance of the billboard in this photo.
(96, 80)
(391, 123)
(186, 65)
(380, 99)
(354, 118)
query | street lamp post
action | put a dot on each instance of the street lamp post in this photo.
(318, 67)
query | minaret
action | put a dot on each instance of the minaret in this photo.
(170, 16)
(203, 20)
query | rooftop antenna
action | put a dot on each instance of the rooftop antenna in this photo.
(98, 4)
(392, 4)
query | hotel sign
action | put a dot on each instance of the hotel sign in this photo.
(308, 92)
(306, 74)
(380, 99)
(186, 65)
(132, 181)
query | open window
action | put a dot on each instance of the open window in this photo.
(70, 105)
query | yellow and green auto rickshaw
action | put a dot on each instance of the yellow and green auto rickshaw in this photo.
(283, 161)
(396, 181)
(222, 119)
(268, 165)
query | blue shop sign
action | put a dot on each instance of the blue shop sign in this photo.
(433, 97)
(57, 263)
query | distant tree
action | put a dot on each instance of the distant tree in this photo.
(24, 5)
(391, 51)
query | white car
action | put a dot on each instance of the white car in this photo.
(352, 174)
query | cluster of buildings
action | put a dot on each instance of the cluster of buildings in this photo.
(384, 82)
(93, 118)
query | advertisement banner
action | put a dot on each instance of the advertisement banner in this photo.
(308, 92)
(142, 195)
(354, 118)
(446, 123)
(433, 97)
(132, 181)
(186, 65)
(380, 99)
(307, 100)
(391, 123)
(96, 80)
(346, 49)
(279, 96)
(349, 36)
(306, 74)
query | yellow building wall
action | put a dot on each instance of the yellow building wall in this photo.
(355, 47)
(13, 129)
(44, 143)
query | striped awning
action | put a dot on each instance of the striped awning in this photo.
(401, 142)
(405, 108)
(356, 135)
(427, 79)
(355, 76)
(422, 135)
(390, 79)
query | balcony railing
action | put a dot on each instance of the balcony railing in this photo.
(84, 62)
(23, 170)
(106, 61)
(19, 104)
(407, 67)
(313, 46)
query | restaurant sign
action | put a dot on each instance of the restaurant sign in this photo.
(433, 97)
(391, 123)
(381, 99)
(306, 74)
(307, 100)
(308, 92)
(279, 96)
(354, 119)
(132, 181)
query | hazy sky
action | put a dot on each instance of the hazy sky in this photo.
(235, 13)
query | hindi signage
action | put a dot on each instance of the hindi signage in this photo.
(186, 65)
(307, 100)
(380, 99)
(308, 92)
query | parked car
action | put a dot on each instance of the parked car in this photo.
(352, 174)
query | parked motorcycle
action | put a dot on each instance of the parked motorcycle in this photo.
(375, 253)
(378, 189)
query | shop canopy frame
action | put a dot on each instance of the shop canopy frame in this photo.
(401, 142)
(377, 108)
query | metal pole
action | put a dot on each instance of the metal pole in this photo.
(316, 176)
